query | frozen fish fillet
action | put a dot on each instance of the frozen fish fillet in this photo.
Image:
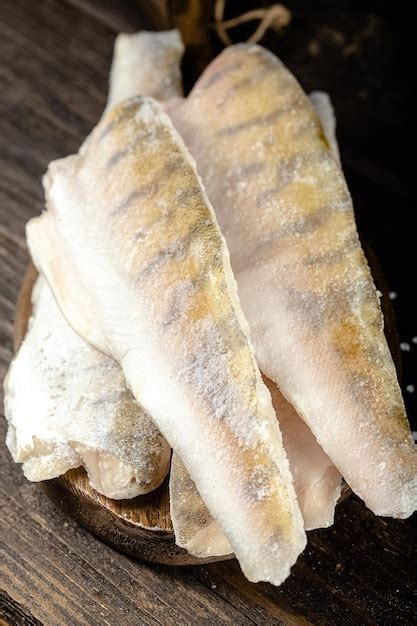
(148, 64)
(68, 406)
(304, 283)
(132, 251)
(316, 480)
(140, 65)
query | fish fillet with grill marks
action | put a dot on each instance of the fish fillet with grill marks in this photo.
(68, 406)
(304, 283)
(132, 251)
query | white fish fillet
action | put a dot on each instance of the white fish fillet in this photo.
(47, 439)
(304, 283)
(146, 63)
(133, 253)
(316, 480)
(68, 406)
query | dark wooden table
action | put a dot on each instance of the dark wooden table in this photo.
(54, 62)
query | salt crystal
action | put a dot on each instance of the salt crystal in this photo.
(414, 339)
(392, 295)
(379, 293)
(404, 346)
(410, 388)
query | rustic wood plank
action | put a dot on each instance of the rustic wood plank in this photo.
(12, 612)
(74, 579)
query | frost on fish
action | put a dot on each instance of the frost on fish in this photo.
(146, 63)
(132, 251)
(316, 480)
(67, 406)
(304, 283)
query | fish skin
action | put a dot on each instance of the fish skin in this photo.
(167, 310)
(146, 63)
(76, 411)
(304, 283)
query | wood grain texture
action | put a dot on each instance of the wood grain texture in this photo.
(54, 60)
(12, 612)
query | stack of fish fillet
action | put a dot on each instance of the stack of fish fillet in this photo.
(202, 289)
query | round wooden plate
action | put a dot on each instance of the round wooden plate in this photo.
(142, 526)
